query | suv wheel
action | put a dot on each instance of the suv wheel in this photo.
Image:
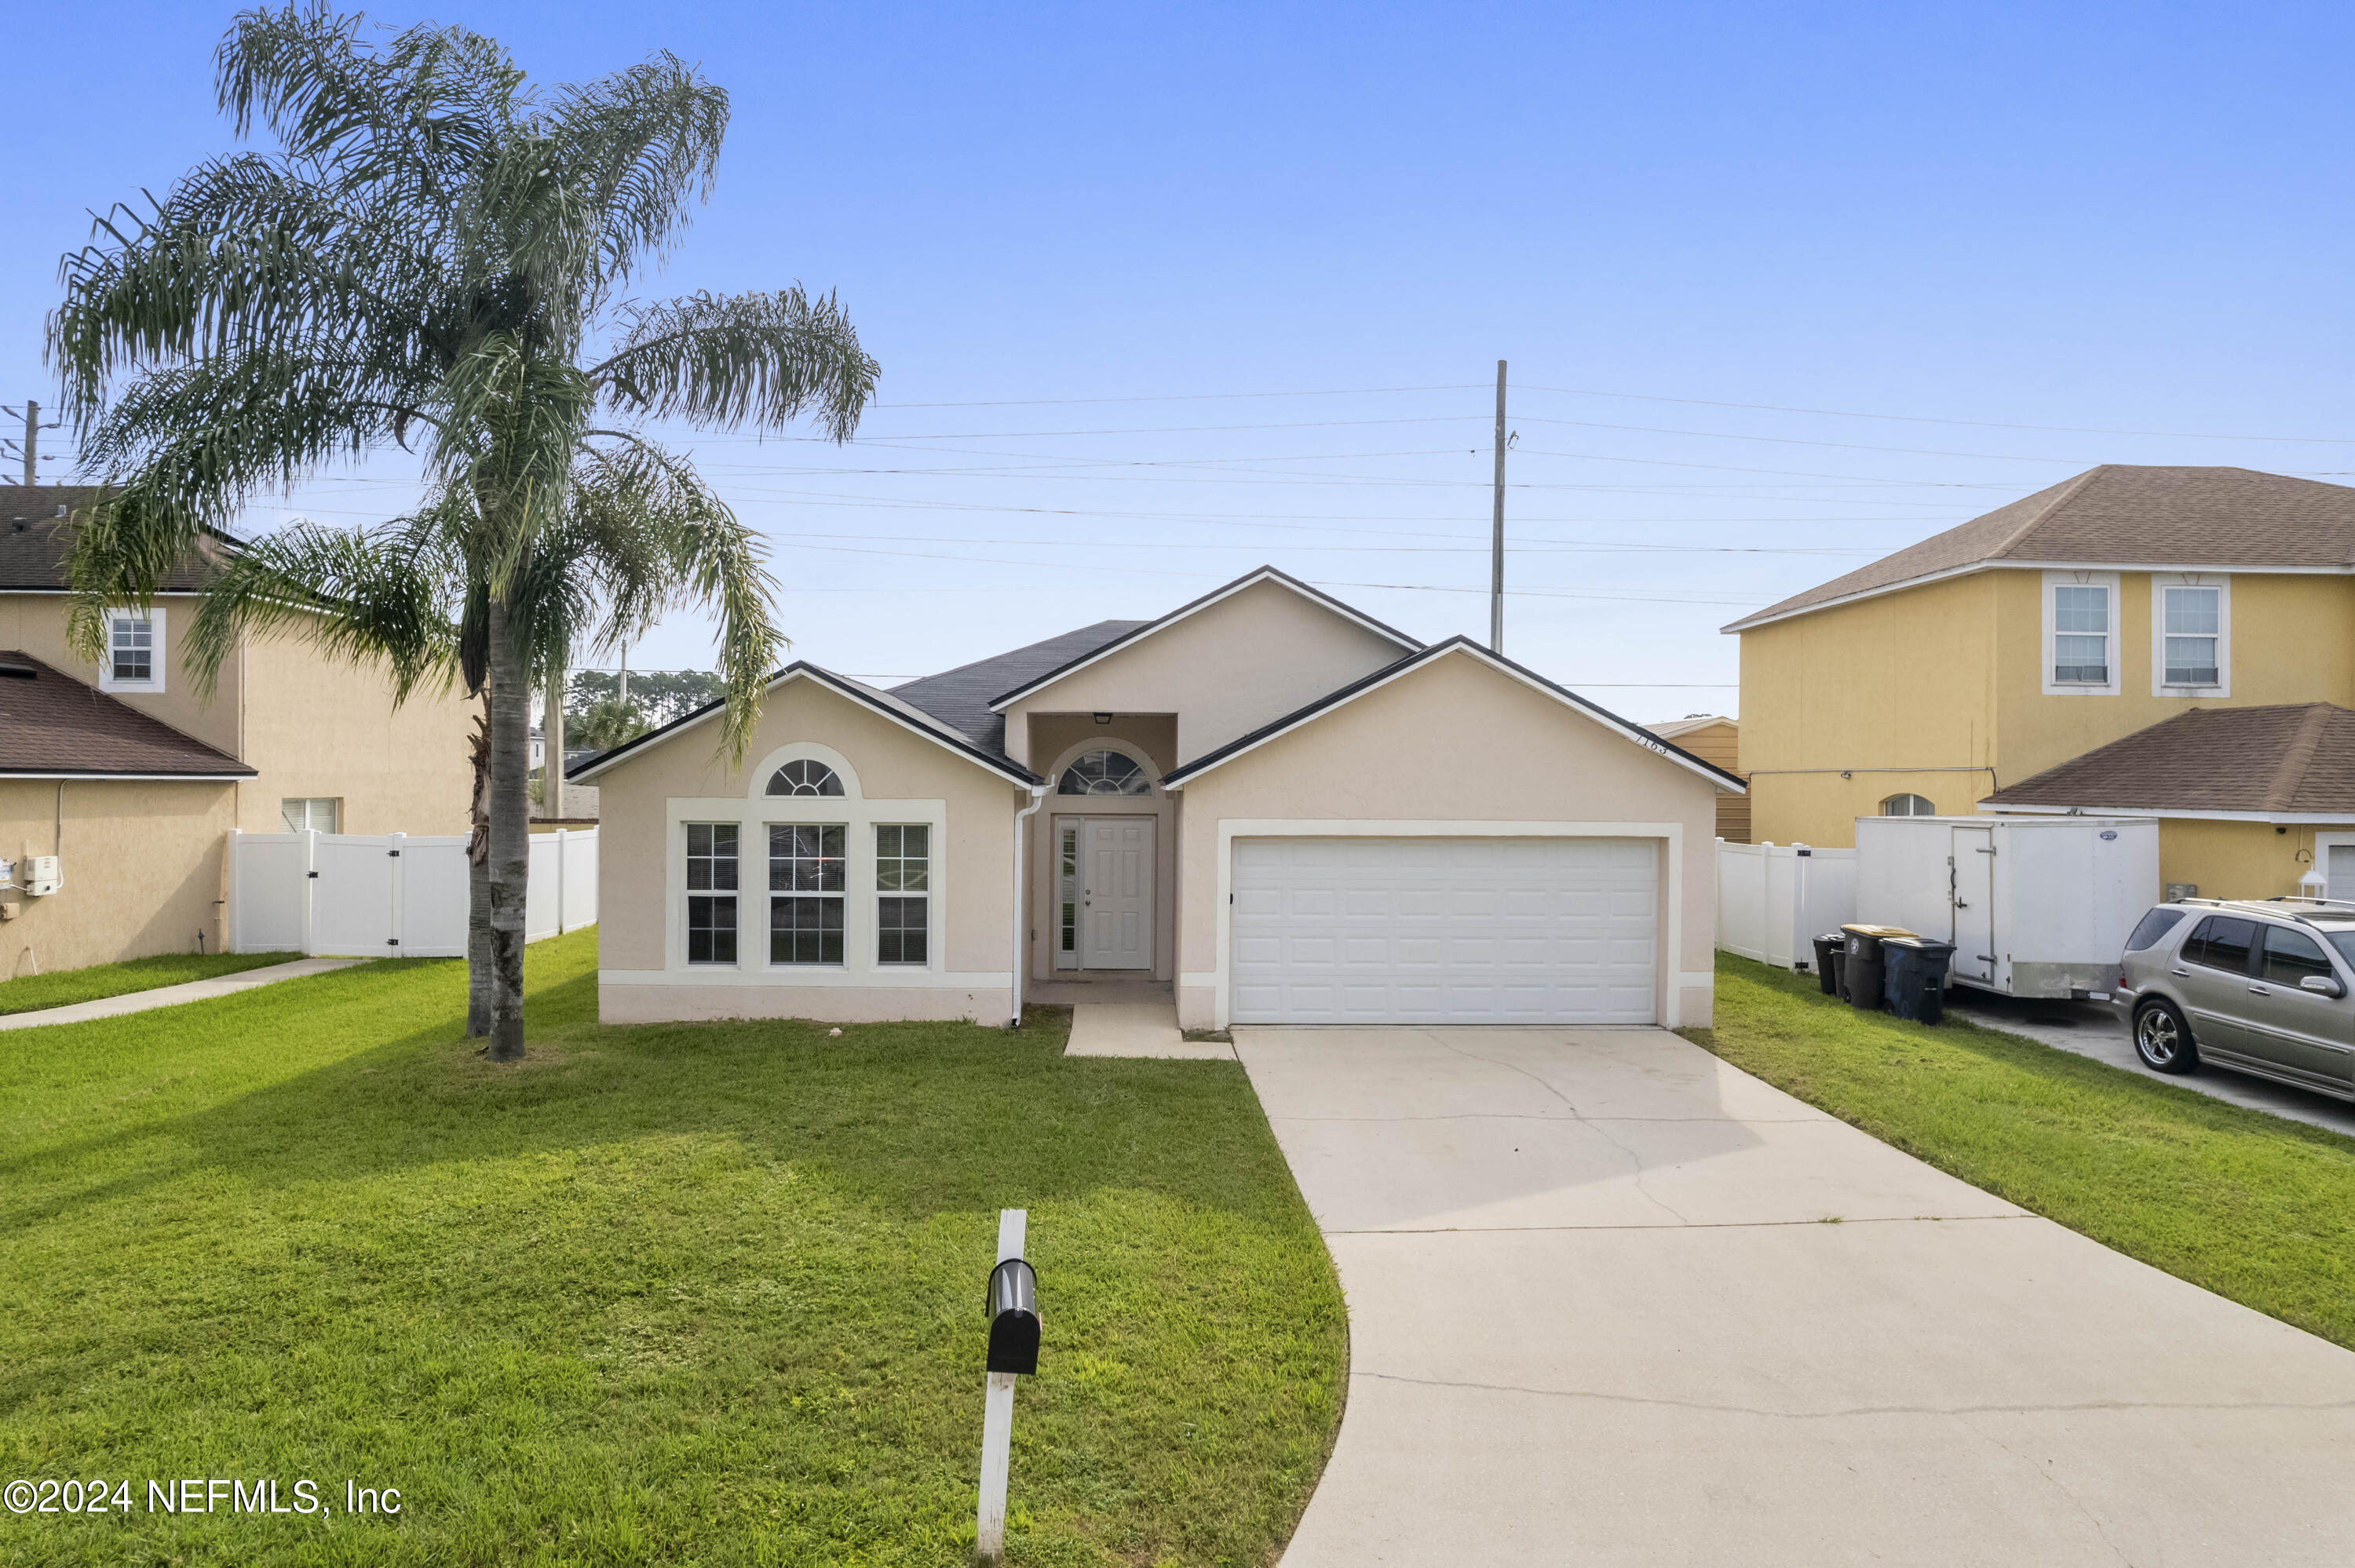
(2163, 1040)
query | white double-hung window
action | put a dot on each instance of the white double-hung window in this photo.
(134, 652)
(2081, 642)
(2191, 634)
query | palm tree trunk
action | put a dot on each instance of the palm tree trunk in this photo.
(478, 883)
(510, 859)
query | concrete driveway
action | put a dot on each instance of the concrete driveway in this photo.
(1612, 1301)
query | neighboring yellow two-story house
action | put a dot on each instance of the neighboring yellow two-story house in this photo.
(2067, 653)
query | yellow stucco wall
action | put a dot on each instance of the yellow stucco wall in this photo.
(2237, 860)
(1898, 691)
(142, 867)
(1938, 690)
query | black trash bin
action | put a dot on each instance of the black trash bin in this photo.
(1914, 977)
(1826, 945)
(1860, 980)
(1839, 970)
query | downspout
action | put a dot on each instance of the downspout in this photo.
(1021, 954)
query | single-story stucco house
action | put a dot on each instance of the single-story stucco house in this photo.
(1265, 800)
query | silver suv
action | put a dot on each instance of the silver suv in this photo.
(2260, 988)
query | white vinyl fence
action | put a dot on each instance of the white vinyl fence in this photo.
(1772, 899)
(350, 894)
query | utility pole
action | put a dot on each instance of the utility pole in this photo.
(29, 446)
(1496, 550)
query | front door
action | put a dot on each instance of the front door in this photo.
(1116, 892)
(1975, 904)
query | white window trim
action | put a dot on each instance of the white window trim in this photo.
(159, 661)
(2055, 579)
(753, 813)
(2159, 583)
(2323, 844)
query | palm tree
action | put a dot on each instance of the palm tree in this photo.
(438, 252)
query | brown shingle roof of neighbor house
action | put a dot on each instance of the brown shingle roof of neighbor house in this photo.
(2119, 515)
(53, 725)
(2296, 760)
(34, 539)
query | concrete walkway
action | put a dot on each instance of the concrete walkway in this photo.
(173, 995)
(1615, 1302)
(2091, 1029)
(1137, 1029)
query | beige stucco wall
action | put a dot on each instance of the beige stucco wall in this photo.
(142, 865)
(321, 726)
(1223, 670)
(637, 888)
(1455, 740)
(309, 725)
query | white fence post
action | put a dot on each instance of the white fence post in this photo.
(232, 932)
(397, 887)
(310, 891)
(560, 876)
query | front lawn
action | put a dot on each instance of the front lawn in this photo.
(2251, 1206)
(702, 1294)
(30, 993)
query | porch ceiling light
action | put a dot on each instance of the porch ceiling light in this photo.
(1102, 718)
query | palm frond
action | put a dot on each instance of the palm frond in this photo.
(726, 359)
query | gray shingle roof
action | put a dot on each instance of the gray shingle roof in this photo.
(2294, 759)
(33, 538)
(52, 723)
(960, 698)
(2122, 514)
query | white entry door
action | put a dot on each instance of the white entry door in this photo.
(1444, 930)
(1116, 892)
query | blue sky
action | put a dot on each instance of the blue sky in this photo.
(1063, 228)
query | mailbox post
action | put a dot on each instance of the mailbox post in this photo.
(1013, 1350)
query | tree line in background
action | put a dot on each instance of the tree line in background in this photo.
(598, 716)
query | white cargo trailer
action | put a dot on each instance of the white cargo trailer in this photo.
(2036, 906)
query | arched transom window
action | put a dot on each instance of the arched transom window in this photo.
(1104, 773)
(1907, 806)
(805, 775)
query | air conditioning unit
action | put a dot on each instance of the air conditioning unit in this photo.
(42, 875)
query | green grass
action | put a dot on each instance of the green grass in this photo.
(2251, 1207)
(697, 1294)
(28, 993)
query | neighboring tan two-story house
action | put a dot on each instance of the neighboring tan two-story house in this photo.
(1266, 802)
(1716, 740)
(133, 779)
(2177, 642)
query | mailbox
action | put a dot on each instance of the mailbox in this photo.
(1013, 1318)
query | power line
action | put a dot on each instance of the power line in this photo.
(1182, 397)
(1931, 419)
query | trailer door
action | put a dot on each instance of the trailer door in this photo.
(1973, 880)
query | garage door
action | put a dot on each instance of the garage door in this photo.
(1439, 931)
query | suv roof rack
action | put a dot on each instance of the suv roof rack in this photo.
(2336, 908)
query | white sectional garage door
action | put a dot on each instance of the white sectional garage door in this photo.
(1443, 930)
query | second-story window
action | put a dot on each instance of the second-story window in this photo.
(2193, 618)
(2081, 635)
(134, 652)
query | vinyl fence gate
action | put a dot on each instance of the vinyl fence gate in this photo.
(393, 896)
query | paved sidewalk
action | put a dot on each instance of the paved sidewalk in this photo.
(173, 995)
(2091, 1029)
(1137, 1029)
(1612, 1301)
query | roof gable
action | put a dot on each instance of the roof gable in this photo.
(906, 714)
(1464, 646)
(2122, 515)
(1144, 630)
